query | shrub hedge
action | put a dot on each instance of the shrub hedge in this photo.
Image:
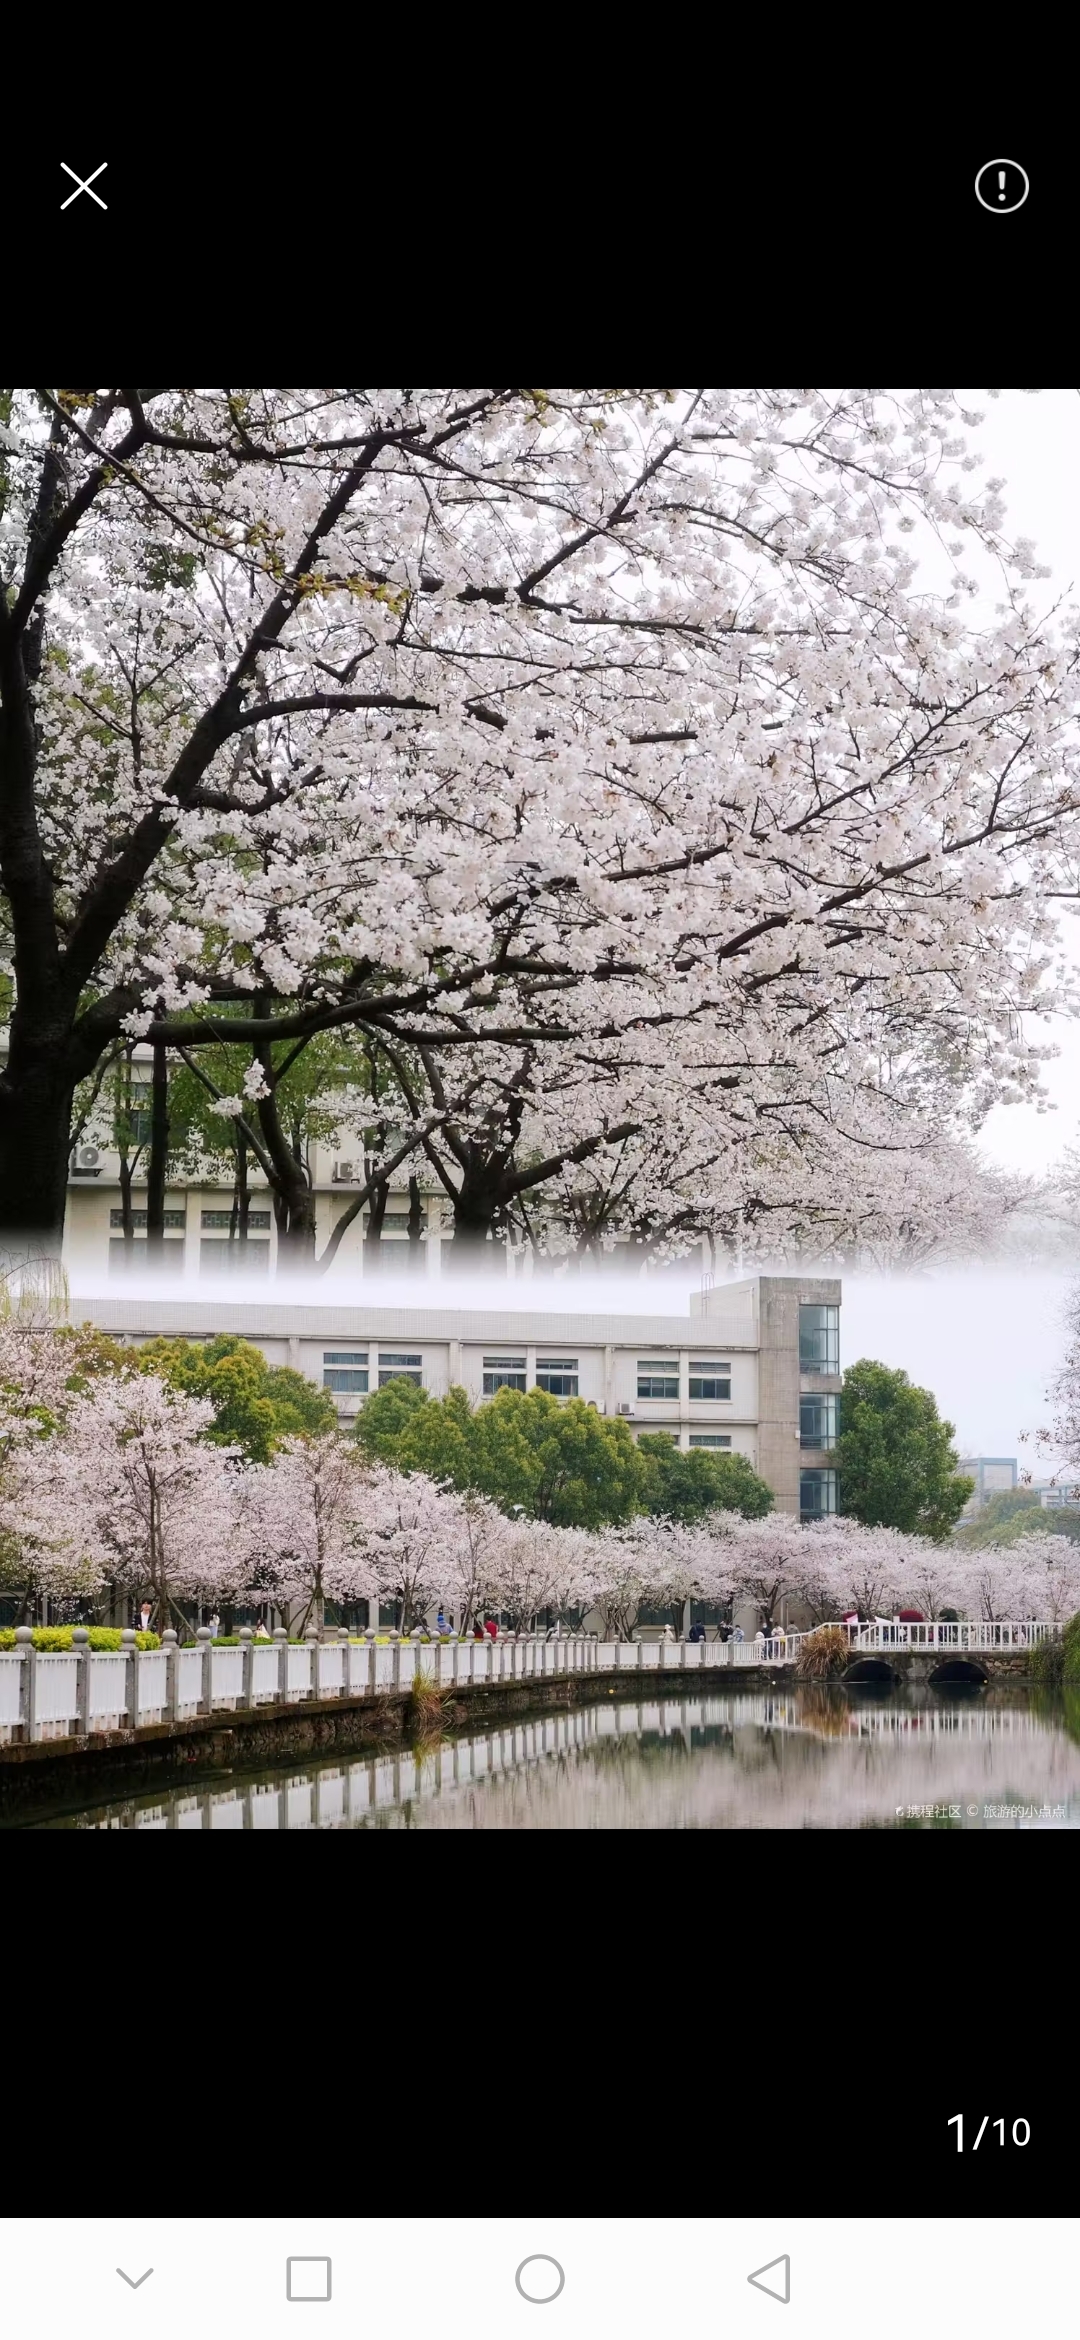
(58, 1637)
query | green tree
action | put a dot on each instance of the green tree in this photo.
(1012, 1513)
(255, 1405)
(896, 1461)
(555, 1459)
(686, 1486)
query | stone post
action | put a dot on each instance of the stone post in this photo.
(205, 1640)
(281, 1642)
(247, 1659)
(24, 1643)
(346, 1661)
(311, 1643)
(130, 1649)
(80, 1642)
(171, 1647)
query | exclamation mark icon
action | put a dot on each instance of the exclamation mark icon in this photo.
(1001, 186)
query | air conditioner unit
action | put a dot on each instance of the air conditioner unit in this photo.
(343, 1174)
(627, 1410)
(86, 1162)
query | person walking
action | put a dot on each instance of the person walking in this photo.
(490, 1627)
(738, 1634)
(697, 1632)
(144, 1617)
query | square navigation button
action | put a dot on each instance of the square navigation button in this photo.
(307, 2278)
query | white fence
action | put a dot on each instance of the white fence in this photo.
(57, 1695)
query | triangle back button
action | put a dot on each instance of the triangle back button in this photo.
(780, 2272)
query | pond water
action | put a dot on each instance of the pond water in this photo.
(810, 1758)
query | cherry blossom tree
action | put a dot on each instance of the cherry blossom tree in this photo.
(131, 1493)
(44, 1364)
(409, 1531)
(299, 1528)
(538, 1567)
(499, 716)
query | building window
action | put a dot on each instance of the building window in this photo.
(177, 1220)
(124, 1256)
(708, 1380)
(395, 1366)
(817, 1494)
(346, 1369)
(558, 1375)
(258, 1221)
(503, 1373)
(819, 1421)
(819, 1339)
(658, 1378)
(708, 1438)
(134, 1116)
(222, 1259)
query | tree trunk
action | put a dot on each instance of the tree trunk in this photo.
(127, 1166)
(478, 1207)
(294, 1202)
(243, 1192)
(159, 1154)
(416, 1225)
(376, 1213)
(35, 1119)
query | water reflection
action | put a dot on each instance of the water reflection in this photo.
(797, 1759)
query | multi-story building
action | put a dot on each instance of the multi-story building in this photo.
(994, 1474)
(753, 1369)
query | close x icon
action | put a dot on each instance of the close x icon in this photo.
(84, 187)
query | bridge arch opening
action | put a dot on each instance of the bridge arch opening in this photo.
(872, 1670)
(956, 1672)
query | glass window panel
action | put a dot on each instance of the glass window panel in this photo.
(344, 1356)
(339, 1377)
(709, 1378)
(122, 1256)
(819, 1338)
(708, 1438)
(817, 1494)
(819, 1421)
(218, 1258)
(658, 1377)
(224, 1220)
(176, 1220)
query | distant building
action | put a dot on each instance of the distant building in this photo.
(994, 1474)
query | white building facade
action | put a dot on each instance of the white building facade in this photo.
(753, 1369)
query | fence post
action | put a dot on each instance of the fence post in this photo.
(80, 1642)
(640, 1654)
(24, 1642)
(129, 1649)
(205, 1640)
(171, 1647)
(281, 1642)
(311, 1643)
(346, 1660)
(247, 1664)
